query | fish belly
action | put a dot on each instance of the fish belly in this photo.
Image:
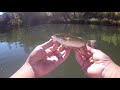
(72, 44)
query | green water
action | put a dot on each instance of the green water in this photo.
(16, 45)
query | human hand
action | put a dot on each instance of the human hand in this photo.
(94, 62)
(46, 57)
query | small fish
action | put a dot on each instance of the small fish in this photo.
(72, 41)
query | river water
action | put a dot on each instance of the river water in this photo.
(16, 45)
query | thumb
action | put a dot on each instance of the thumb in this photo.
(91, 49)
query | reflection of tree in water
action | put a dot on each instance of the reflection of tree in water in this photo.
(28, 39)
(96, 32)
(16, 44)
(34, 36)
(9, 45)
(26, 49)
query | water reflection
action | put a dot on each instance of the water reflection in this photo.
(17, 44)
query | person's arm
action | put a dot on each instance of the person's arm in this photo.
(25, 71)
(97, 64)
(42, 60)
(111, 71)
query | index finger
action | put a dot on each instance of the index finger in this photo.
(92, 50)
(47, 44)
(78, 56)
(64, 56)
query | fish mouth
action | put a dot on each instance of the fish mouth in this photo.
(53, 36)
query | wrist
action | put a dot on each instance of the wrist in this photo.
(25, 71)
(111, 71)
(32, 70)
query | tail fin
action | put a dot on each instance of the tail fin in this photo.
(91, 42)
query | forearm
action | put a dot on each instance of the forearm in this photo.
(26, 71)
(112, 71)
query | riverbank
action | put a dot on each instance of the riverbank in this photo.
(26, 19)
(94, 21)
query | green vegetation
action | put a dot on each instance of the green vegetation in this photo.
(16, 19)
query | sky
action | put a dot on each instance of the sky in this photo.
(1, 13)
